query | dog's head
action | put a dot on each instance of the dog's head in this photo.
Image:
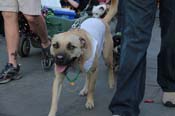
(66, 48)
(99, 11)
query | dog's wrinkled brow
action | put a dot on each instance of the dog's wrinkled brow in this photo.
(70, 46)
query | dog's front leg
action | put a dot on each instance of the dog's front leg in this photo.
(92, 76)
(56, 91)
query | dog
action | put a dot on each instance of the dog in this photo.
(82, 48)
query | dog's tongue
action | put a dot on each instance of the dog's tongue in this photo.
(61, 69)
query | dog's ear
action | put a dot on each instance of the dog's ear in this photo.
(83, 42)
(86, 48)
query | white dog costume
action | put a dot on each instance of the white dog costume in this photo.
(96, 29)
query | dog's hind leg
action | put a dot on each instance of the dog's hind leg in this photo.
(111, 80)
(108, 56)
(92, 76)
(56, 91)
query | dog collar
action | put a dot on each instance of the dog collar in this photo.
(72, 81)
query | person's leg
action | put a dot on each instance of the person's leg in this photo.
(120, 18)
(12, 35)
(166, 62)
(35, 19)
(9, 11)
(38, 26)
(139, 18)
(32, 11)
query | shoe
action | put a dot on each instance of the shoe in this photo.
(115, 115)
(168, 99)
(10, 73)
(47, 59)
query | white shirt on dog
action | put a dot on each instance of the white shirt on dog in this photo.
(96, 28)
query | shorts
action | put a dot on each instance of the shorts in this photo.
(28, 7)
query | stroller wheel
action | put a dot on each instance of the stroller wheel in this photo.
(24, 46)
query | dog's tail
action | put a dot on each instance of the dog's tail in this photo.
(112, 11)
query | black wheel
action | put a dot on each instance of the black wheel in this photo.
(24, 46)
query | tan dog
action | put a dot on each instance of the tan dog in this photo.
(76, 48)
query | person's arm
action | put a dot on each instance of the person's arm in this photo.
(107, 1)
(73, 3)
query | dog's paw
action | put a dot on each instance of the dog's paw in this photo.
(111, 83)
(83, 92)
(89, 105)
(51, 114)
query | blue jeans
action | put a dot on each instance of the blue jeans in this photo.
(139, 16)
(120, 17)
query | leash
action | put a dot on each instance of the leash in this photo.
(87, 6)
(78, 21)
(84, 15)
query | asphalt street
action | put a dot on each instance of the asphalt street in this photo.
(31, 95)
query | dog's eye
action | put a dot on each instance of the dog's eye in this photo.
(70, 46)
(56, 45)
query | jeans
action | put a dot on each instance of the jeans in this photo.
(139, 16)
(120, 17)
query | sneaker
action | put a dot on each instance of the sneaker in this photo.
(168, 99)
(47, 59)
(10, 73)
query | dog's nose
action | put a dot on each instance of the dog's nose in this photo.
(60, 57)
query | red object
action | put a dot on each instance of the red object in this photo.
(103, 1)
(148, 101)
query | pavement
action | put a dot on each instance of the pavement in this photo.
(31, 95)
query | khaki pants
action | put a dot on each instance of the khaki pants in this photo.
(29, 7)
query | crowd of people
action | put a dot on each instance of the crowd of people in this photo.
(136, 19)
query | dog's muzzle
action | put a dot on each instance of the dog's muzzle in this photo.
(62, 59)
(63, 62)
